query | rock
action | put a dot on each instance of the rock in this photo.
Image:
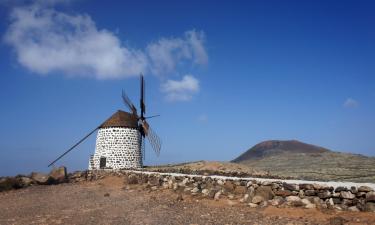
(294, 201)
(336, 201)
(39, 178)
(364, 189)
(25, 181)
(252, 205)
(217, 195)
(106, 195)
(257, 199)
(277, 201)
(310, 206)
(330, 203)
(240, 190)
(205, 192)
(283, 193)
(263, 204)
(249, 183)
(347, 195)
(291, 187)
(220, 182)
(340, 189)
(370, 207)
(265, 192)
(154, 188)
(370, 197)
(306, 186)
(353, 190)
(353, 209)
(195, 190)
(228, 186)
(324, 194)
(58, 175)
(310, 192)
(321, 187)
(301, 194)
(10, 183)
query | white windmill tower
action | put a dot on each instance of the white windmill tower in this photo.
(120, 139)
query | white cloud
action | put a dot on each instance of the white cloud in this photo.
(351, 103)
(181, 90)
(166, 54)
(47, 41)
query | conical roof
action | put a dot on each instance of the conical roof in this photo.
(121, 119)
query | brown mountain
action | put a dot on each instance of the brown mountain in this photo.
(306, 161)
(274, 147)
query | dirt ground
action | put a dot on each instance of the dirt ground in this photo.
(109, 201)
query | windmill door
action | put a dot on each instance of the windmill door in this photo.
(103, 162)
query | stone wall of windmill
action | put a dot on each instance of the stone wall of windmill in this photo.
(119, 147)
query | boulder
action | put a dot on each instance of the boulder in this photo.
(324, 194)
(370, 197)
(283, 193)
(353, 209)
(277, 201)
(252, 205)
(39, 178)
(58, 175)
(306, 186)
(310, 192)
(340, 189)
(364, 189)
(294, 201)
(265, 192)
(25, 181)
(217, 195)
(9, 183)
(347, 195)
(291, 187)
(257, 199)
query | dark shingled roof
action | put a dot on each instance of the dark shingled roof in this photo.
(121, 119)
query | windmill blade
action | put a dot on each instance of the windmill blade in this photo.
(70, 149)
(128, 103)
(142, 100)
(152, 137)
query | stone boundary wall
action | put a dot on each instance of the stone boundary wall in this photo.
(253, 192)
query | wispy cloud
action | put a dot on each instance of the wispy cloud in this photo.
(180, 90)
(165, 54)
(203, 118)
(351, 103)
(46, 41)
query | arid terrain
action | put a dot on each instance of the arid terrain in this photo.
(308, 162)
(111, 201)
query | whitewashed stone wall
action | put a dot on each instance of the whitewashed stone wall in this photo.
(120, 146)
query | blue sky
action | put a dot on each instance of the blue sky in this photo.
(224, 76)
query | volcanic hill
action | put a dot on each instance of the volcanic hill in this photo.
(305, 161)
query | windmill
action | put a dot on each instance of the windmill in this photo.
(120, 140)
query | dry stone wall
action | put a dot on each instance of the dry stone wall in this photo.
(120, 147)
(253, 192)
